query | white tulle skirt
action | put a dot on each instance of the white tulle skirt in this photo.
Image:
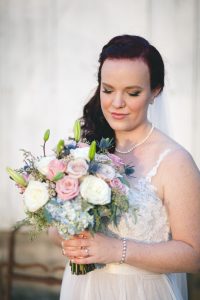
(123, 282)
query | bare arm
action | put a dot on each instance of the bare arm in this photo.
(181, 182)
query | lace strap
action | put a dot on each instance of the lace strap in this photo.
(153, 171)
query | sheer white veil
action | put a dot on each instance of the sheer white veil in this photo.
(157, 113)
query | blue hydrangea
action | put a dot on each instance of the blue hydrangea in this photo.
(68, 216)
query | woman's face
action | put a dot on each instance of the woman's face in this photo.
(125, 93)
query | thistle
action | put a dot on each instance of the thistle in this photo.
(129, 170)
(105, 144)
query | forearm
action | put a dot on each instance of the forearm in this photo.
(164, 257)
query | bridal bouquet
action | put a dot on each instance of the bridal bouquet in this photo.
(73, 189)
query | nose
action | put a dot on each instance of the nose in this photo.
(118, 101)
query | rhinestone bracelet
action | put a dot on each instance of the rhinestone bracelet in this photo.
(124, 243)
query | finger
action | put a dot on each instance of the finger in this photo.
(86, 234)
(83, 260)
(76, 243)
(82, 235)
(83, 252)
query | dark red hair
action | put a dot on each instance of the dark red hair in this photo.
(94, 125)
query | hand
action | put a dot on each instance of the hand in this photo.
(87, 249)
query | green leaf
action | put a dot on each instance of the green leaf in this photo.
(58, 176)
(124, 181)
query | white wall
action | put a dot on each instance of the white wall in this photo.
(48, 57)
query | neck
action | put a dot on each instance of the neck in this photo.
(124, 139)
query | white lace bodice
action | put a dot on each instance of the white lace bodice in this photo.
(147, 218)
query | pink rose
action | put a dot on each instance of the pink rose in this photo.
(117, 184)
(77, 168)
(54, 167)
(117, 161)
(67, 188)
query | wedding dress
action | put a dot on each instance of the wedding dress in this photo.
(124, 282)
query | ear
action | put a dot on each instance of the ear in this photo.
(154, 93)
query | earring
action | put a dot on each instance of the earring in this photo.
(152, 101)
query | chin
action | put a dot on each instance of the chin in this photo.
(120, 127)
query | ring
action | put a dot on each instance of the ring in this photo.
(63, 251)
(87, 251)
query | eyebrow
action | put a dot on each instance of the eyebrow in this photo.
(127, 87)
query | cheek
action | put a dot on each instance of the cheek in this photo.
(138, 104)
(135, 105)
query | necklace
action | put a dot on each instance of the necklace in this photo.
(138, 144)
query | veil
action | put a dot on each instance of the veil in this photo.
(157, 114)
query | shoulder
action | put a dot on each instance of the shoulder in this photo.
(178, 165)
(177, 155)
(180, 178)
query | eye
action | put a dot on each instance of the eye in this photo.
(106, 91)
(135, 94)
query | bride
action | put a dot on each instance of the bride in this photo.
(146, 258)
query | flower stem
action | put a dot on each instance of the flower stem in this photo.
(44, 152)
(82, 269)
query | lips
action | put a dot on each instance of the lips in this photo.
(118, 116)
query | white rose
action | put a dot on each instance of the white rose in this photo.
(36, 195)
(106, 172)
(80, 152)
(42, 164)
(95, 190)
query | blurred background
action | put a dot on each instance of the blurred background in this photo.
(49, 58)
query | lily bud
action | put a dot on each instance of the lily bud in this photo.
(46, 135)
(60, 146)
(58, 176)
(92, 150)
(18, 178)
(77, 131)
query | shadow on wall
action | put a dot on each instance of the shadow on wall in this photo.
(29, 269)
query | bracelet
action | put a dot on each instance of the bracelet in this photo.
(124, 243)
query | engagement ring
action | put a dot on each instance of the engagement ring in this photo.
(87, 251)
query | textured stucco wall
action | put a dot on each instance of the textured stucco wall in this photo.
(48, 56)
